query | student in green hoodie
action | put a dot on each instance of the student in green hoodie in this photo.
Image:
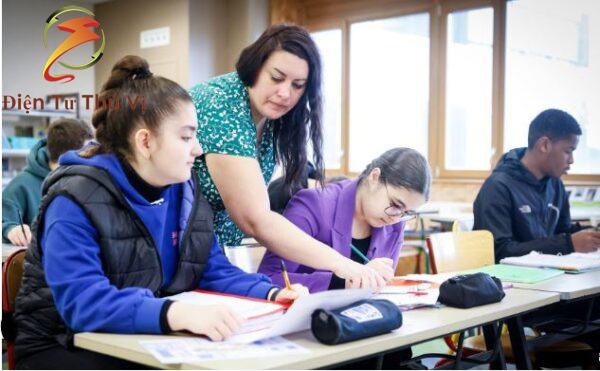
(23, 193)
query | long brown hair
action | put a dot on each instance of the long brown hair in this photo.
(292, 131)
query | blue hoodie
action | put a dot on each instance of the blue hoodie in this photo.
(83, 294)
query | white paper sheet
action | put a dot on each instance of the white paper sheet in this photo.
(244, 307)
(575, 262)
(191, 350)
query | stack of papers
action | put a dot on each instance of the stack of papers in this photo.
(571, 263)
(409, 293)
(191, 350)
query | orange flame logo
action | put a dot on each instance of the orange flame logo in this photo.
(80, 33)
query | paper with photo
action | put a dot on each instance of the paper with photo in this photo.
(191, 350)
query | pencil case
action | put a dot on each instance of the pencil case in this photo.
(359, 320)
(471, 290)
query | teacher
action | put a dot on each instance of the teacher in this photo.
(248, 120)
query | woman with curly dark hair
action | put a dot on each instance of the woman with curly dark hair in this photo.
(266, 112)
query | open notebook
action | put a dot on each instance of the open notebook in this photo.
(571, 263)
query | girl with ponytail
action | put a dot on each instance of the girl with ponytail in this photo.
(122, 224)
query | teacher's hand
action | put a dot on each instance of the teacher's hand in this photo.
(383, 266)
(358, 275)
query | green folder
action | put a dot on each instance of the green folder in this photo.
(514, 273)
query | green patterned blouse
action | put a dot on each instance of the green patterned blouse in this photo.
(225, 126)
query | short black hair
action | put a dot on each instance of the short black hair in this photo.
(554, 124)
(67, 134)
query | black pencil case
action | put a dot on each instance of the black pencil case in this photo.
(359, 320)
(471, 290)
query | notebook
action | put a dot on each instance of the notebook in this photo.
(571, 263)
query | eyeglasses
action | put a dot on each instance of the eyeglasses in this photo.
(395, 211)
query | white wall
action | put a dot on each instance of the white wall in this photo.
(208, 39)
(219, 30)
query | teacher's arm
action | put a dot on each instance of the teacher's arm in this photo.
(240, 183)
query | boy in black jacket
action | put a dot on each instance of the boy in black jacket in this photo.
(524, 203)
(525, 206)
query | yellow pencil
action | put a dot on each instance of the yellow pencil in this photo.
(288, 285)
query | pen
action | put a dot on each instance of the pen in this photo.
(21, 222)
(360, 254)
(288, 285)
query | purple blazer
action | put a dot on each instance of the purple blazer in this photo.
(326, 214)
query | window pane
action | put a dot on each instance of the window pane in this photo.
(553, 61)
(330, 47)
(469, 90)
(389, 87)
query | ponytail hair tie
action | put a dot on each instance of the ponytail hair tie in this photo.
(140, 73)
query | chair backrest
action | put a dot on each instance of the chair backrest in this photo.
(462, 225)
(456, 251)
(12, 275)
(246, 258)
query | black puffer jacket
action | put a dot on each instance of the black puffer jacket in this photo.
(129, 257)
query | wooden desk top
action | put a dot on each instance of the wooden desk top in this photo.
(419, 325)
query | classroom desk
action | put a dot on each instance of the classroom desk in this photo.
(419, 326)
(568, 286)
(582, 286)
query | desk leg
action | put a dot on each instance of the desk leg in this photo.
(518, 343)
(490, 334)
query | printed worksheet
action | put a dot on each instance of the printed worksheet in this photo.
(191, 350)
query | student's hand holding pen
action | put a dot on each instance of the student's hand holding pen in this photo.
(217, 322)
(288, 295)
(289, 292)
(19, 235)
(359, 275)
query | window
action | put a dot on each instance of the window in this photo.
(329, 43)
(553, 61)
(389, 87)
(459, 81)
(469, 90)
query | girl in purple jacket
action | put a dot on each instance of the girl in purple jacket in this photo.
(363, 219)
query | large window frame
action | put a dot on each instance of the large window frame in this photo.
(320, 15)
